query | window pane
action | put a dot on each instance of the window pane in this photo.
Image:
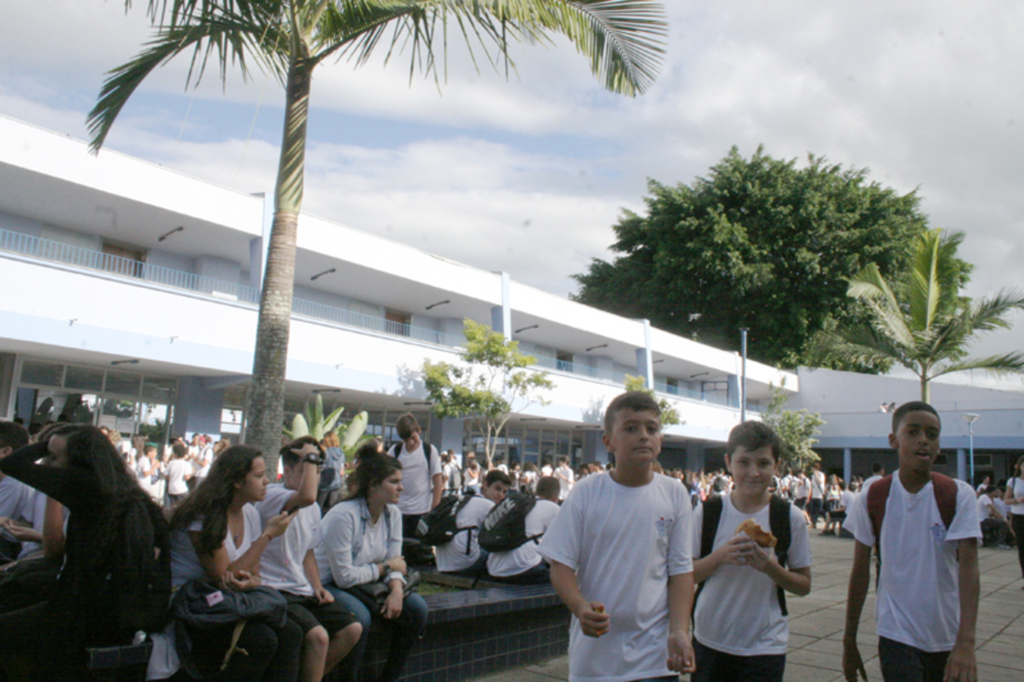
(84, 378)
(123, 384)
(159, 390)
(41, 373)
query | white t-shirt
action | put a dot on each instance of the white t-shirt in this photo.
(452, 556)
(36, 511)
(1003, 508)
(206, 455)
(1017, 485)
(176, 471)
(185, 564)
(803, 486)
(817, 485)
(623, 543)
(14, 497)
(526, 556)
(418, 489)
(546, 470)
(918, 600)
(738, 611)
(847, 498)
(565, 481)
(984, 502)
(281, 562)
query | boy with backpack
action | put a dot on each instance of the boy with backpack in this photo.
(459, 519)
(926, 529)
(740, 627)
(523, 565)
(619, 551)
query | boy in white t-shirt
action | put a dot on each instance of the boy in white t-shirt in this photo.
(289, 565)
(619, 551)
(524, 565)
(740, 631)
(927, 598)
(422, 475)
(463, 554)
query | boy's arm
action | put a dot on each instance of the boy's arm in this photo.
(962, 666)
(680, 605)
(860, 579)
(592, 622)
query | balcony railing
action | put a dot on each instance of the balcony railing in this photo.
(90, 259)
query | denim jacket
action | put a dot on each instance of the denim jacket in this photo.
(343, 530)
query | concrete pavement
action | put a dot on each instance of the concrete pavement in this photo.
(816, 623)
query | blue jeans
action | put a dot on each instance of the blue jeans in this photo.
(904, 663)
(714, 665)
(406, 630)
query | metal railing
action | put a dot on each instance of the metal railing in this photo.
(378, 324)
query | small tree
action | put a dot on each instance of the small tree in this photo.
(490, 385)
(797, 430)
(669, 414)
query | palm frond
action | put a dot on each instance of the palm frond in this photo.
(1008, 363)
(230, 38)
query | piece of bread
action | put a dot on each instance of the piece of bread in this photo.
(756, 533)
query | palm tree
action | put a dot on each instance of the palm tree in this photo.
(622, 39)
(929, 327)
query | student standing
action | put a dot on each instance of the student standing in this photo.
(423, 480)
(927, 600)
(1014, 497)
(740, 629)
(640, 609)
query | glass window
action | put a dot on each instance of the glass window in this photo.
(122, 383)
(84, 378)
(234, 396)
(159, 390)
(42, 373)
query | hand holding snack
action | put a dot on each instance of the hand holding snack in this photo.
(756, 533)
(593, 620)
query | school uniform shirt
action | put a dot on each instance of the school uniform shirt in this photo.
(847, 499)
(185, 565)
(452, 556)
(1016, 484)
(918, 602)
(176, 471)
(418, 486)
(526, 556)
(281, 562)
(36, 509)
(817, 486)
(738, 611)
(623, 543)
(565, 481)
(984, 502)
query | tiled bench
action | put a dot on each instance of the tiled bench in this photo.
(480, 631)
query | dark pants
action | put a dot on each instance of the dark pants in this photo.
(904, 663)
(718, 666)
(993, 531)
(538, 575)
(1018, 533)
(272, 655)
(816, 508)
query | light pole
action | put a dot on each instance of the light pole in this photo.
(970, 418)
(743, 377)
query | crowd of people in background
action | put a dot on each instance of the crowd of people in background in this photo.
(332, 547)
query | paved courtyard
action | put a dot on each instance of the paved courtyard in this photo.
(816, 623)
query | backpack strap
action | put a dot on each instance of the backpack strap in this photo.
(778, 523)
(878, 496)
(712, 514)
(945, 497)
(426, 452)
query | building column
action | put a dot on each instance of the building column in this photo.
(733, 395)
(447, 434)
(847, 465)
(501, 316)
(644, 361)
(198, 408)
(961, 464)
(258, 246)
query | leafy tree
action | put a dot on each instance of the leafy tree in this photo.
(760, 243)
(622, 39)
(490, 385)
(797, 430)
(921, 321)
(669, 414)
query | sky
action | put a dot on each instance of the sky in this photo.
(529, 174)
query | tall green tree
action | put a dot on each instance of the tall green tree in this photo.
(491, 383)
(921, 321)
(622, 39)
(760, 243)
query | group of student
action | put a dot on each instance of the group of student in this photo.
(624, 551)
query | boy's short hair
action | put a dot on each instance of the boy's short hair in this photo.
(289, 458)
(149, 448)
(877, 468)
(497, 476)
(179, 449)
(913, 406)
(636, 401)
(548, 487)
(407, 425)
(753, 435)
(13, 436)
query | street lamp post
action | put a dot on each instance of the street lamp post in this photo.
(743, 376)
(970, 418)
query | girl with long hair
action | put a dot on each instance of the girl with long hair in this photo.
(217, 535)
(1015, 497)
(110, 518)
(362, 543)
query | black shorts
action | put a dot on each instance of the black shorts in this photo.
(308, 613)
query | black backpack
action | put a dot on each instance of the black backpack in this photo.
(401, 446)
(504, 527)
(141, 584)
(439, 526)
(778, 522)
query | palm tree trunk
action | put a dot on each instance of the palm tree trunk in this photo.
(926, 391)
(270, 359)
